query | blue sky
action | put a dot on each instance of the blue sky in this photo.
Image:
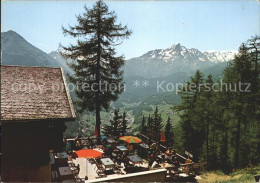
(205, 25)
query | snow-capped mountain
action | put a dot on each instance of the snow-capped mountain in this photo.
(177, 58)
(217, 56)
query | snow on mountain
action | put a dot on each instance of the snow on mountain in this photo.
(164, 62)
(220, 56)
(178, 52)
(177, 58)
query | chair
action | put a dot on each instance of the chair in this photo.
(100, 170)
(91, 161)
(117, 170)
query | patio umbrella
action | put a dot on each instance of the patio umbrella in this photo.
(131, 139)
(162, 137)
(88, 153)
(96, 132)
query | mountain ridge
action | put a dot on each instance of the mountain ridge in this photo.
(163, 62)
(17, 51)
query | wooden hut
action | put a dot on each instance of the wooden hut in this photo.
(35, 104)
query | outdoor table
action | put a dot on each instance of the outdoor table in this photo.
(135, 159)
(143, 145)
(111, 141)
(122, 148)
(161, 157)
(170, 169)
(62, 155)
(65, 173)
(107, 162)
(186, 167)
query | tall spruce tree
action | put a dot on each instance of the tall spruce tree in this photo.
(157, 125)
(124, 127)
(114, 129)
(240, 71)
(143, 127)
(193, 134)
(222, 126)
(96, 65)
(149, 126)
(168, 133)
(204, 107)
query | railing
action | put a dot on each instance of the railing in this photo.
(162, 146)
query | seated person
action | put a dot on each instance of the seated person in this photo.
(168, 151)
(188, 161)
(151, 160)
(78, 145)
(153, 146)
(124, 159)
(176, 162)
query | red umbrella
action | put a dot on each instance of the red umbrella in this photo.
(96, 132)
(88, 153)
(163, 137)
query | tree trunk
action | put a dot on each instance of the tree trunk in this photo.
(98, 121)
(238, 141)
(207, 143)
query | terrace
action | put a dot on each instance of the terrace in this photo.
(117, 160)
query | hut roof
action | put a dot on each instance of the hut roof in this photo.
(34, 93)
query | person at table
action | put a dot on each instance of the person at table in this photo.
(188, 161)
(176, 162)
(78, 145)
(163, 159)
(68, 147)
(150, 161)
(124, 159)
(157, 157)
(91, 144)
(109, 150)
(168, 151)
(153, 146)
(64, 144)
(130, 147)
(117, 160)
(88, 143)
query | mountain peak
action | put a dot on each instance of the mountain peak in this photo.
(17, 51)
(176, 46)
(11, 36)
(11, 32)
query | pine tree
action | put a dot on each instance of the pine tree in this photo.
(168, 133)
(143, 127)
(253, 46)
(123, 125)
(193, 133)
(240, 71)
(149, 126)
(97, 68)
(157, 125)
(115, 127)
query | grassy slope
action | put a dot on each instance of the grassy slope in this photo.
(245, 175)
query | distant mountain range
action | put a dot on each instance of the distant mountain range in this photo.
(177, 58)
(153, 64)
(162, 63)
(17, 51)
(175, 65)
